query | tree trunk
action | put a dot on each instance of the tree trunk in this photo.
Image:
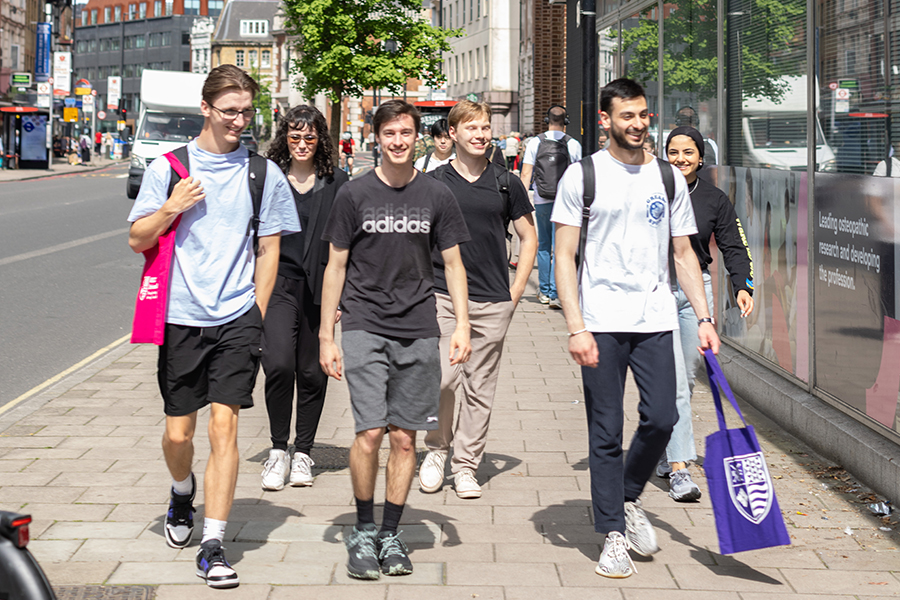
(335, 128)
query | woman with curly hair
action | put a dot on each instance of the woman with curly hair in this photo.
(303, 150)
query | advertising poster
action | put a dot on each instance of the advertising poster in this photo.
(43, 54)
(770, 205)
(34, 137)
(857, 331)
(62, 73)
(113, 92)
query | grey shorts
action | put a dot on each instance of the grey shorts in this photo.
(392, 381)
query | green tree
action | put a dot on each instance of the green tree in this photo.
(342, 49)
(262, 102)
(768, 32)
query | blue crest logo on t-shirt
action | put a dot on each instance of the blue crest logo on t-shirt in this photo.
(656, 209)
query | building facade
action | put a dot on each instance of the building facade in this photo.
(201, 44)
(243, 37)
(542, 62)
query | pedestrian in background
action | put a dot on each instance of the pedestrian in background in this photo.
(303, 150)
(511, 151)
(442, 152)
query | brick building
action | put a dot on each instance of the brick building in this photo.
(542, 63)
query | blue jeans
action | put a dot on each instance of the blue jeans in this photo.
(546, 240)
(681, 446)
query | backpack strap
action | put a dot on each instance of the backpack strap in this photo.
(668, 178)
(564, 140)
(180, 162)
(257, 182)
(587, 196)
(502, 183)
(427, 160)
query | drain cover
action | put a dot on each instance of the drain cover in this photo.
(103, 592)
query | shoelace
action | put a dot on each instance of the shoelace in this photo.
(304, 463)
(216, 556)
(365, 543)
(620, 552)
(432, 460)
(269, 464)
(181, 512)
(392, 545)
(467, 478)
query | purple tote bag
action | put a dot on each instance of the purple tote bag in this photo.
(740, 488)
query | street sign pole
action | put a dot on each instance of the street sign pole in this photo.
(589, 77)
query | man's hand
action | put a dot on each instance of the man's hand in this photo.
(460, 346)
(583, 348)
(186, 193)
(745, 303)
(708, 338)
(330, 359)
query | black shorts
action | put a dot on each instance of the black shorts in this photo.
(200, 365)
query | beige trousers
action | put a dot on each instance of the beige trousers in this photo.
(478, 377)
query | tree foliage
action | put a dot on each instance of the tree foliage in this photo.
(768, 34)
(262, 102)
(343, 51)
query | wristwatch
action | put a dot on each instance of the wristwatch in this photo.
(705, 320)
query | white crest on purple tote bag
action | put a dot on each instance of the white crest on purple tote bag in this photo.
(750, 486)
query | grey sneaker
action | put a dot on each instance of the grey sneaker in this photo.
(663, 469)
(393, 554)
(363, 562)
(639, 533)
(555, 303)
(301, 470)
(431, 473)
(682, 488)
(615, 562)
(543, 298)
(275, 470)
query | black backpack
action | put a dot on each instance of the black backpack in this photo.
(587, 196)
(257, 181)
(551, 162)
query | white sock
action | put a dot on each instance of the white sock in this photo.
(213, 530)
(183, 488)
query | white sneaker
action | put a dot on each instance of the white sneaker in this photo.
(275, 470)
(615, 562)
(431, 473)
(466, 485)
(301, 470)
(639, 533)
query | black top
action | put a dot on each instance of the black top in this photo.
(389, 289)
(486, 213)
(304, 254)
(715, 215)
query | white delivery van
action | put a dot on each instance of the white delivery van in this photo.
(170, 117)
(774, 133)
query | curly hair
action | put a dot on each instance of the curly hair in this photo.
(300, 117)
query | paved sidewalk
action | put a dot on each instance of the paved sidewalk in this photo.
(84, 459)
(60, 167)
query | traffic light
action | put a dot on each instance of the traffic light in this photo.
(277, 112)
(123, 112)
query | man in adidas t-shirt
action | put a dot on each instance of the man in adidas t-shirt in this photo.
(622, 312)
(556, 120)
(219, 292)
(382, 228)
(490, 198)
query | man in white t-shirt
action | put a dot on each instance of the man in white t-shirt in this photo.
(623, 312)
(443, 148)
(544, 184)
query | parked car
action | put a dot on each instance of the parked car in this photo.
(249, 142)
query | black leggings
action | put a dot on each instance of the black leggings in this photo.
(291, 348)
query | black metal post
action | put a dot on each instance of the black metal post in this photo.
(589, 77)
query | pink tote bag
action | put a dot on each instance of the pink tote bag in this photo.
(149, 326)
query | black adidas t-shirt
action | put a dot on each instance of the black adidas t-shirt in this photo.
(485, 211)
(391, 232)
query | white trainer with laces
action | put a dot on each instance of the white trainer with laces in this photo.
(466, 485)
(431, 473)
(301, 470)
(615, 562)
(275, 470)
(639, 533)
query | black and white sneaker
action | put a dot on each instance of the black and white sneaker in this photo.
(362, 559)
(179, 526)
(393, 554)
(212, 566)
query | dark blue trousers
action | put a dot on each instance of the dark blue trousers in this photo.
(652, 362)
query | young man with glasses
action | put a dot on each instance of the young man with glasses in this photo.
(219, 291)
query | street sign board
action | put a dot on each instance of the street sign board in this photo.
(82, 87)
(842, 94)
(62, 71)
(43, 52)
(87, 103)
(101, 115)
(20, 80)
(833, 85)
(70, 115)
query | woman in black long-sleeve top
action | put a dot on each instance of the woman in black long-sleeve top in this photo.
(303, 150)
(714, 215)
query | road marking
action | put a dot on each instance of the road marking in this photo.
(125, 176)
(65, 246)
(68, 371)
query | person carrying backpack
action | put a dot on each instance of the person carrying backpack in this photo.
(228, 216)
(547, 156)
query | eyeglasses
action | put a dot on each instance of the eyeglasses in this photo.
(232, 114)
(295, 139)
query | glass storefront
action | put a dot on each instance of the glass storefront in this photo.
(795, 102)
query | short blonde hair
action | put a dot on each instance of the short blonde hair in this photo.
(466, 110)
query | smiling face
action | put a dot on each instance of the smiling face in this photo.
(472, 137)
(302, 144)
(684, 154)
(224, 128)
(627, 122)
(398, 138)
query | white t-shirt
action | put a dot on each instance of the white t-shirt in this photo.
(625, 282)
(881, 168)
(211, 281)
(531, 156)
(434, 163)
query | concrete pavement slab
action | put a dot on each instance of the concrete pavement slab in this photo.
(423, 574)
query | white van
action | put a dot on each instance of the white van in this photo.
(775, 133)
(170, 117)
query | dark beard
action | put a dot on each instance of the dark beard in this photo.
(623, 142)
